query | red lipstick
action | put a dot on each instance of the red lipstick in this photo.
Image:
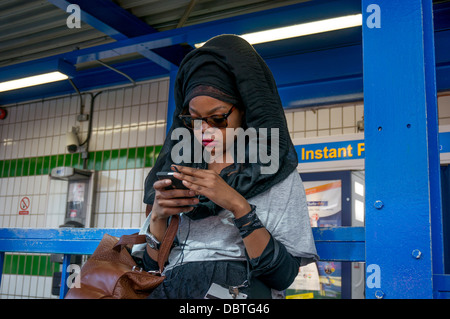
(206, 142)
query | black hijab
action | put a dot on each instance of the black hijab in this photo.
(230, 65)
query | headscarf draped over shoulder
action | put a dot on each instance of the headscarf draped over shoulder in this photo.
(230, 65)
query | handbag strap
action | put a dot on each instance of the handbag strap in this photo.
(132, 239)
(167, 242)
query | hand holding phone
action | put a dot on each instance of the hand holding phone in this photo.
(173, 198)
(176, 183)
(170, 199)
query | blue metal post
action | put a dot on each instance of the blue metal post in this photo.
(171, 99)
(437, 225)
(2, 259)
(64, 288)
(403, 209)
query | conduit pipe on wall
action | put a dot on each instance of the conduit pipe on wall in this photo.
(84, 146)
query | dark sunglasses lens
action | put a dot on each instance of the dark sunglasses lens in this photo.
(219, 122)
(188, 122)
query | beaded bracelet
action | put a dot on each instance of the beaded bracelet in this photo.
(247, 218)
(248, 223)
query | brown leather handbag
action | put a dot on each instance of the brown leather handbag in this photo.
(111, 272)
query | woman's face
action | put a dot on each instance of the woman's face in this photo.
(212, 140)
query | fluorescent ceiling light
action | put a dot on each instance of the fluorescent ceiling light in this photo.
(32, 80)
(303, 29)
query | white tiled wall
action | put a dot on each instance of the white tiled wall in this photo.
(444, 109)
(119, 200)
(122, 118)
(341, 119)
(26, 287)
(125, 117)
(324, 121)
(12, 189)
(130, 117)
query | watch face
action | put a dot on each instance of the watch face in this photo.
(151, 241)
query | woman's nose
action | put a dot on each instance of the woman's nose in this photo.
(205, 126)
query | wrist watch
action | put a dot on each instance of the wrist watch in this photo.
(152, 241)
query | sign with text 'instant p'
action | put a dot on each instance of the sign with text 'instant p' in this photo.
(332, 151)
(348, 149)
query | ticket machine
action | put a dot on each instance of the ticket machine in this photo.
(80, 195)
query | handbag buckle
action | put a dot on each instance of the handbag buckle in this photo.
(136, 268)
(152, 272)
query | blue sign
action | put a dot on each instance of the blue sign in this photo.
(332, 151)
(346, 150)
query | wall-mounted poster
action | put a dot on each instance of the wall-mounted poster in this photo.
(321, 279)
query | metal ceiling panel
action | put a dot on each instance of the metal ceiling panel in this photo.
(33, 29)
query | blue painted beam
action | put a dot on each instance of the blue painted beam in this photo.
(56, 241)
(340, 243)
(313, 67)
(441, 16)
(402, 153)
(441, 285)
(108, 17)
(119, 24)
(337, 243)
(326, 92)
(323, 77)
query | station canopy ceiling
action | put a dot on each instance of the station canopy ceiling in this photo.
(122, 34)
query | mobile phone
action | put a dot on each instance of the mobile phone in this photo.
(176, 183)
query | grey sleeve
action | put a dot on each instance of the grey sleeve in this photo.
(285, 215)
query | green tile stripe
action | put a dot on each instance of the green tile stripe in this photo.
(126, 158)
(129, 158)
(32, 265)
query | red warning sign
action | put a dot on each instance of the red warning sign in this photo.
(24, 206)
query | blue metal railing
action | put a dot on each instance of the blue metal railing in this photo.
(338, 244)
(333, 244)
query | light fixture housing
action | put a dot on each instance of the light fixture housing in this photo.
(302, 29)
(30, 74)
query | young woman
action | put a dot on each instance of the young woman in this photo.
(242, 225)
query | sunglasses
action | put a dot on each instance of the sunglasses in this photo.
(218, 121)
